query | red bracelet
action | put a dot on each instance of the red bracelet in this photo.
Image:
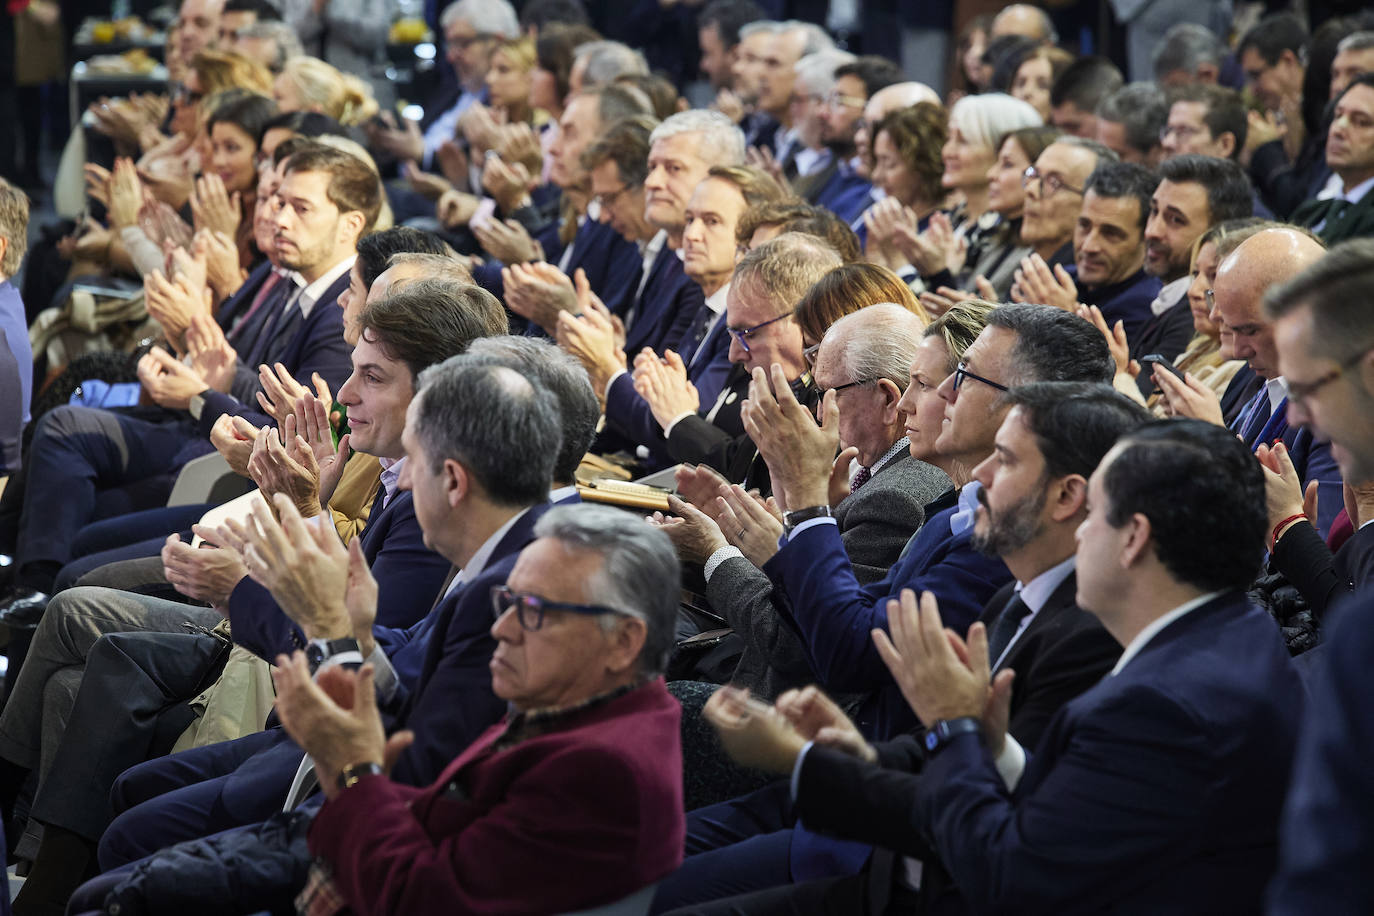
(1274, 538)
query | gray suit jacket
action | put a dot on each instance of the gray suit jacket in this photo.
(875, 523)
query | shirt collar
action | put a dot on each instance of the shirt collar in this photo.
(1170, 295)
(1277, 389)
(901, 445)
(312, 293)
(391, 475)
(1357, 193)
(1153, 628)
(562, 492)
(474, 566)
(962, 518)
(1037, 591)
(716, 301)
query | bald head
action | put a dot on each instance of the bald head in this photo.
(1265, 259)
(1023, 19)
(897, 96)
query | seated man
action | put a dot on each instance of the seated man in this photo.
(84, 459)
(1350, 156)
(767, 285)
(1109, 252)
(583, 633)
(16, 358)
(1157, 790)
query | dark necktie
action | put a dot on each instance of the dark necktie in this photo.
(1005, 627)
(1254, 417)
(250, 336)
(860, 479)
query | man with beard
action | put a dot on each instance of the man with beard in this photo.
(813, 82)
(845, 189)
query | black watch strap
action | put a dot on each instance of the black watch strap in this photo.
(350, 774)
(792, 519)
(943, 731)
(317, 650)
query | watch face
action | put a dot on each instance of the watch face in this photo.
(314, 654)
(932, 739)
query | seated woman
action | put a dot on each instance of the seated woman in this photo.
(908, 170)
(1035, 75)
(310, 84)
(1006, 197)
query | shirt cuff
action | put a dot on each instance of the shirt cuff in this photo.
(383, 676)
(796, 770)
(668, 430)
(720, 556)
(810, 523)
(1011, 763)
(611, 381)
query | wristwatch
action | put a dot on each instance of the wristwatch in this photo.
(943, 731)
(350, 774)
(317, 651)
(794, 518)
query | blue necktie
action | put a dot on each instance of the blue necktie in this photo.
(1254, 417)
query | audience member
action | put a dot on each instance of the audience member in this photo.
(1131, 122)
(1188, 54)
(1054, 186)
(1204, 119)
(1077, 93)
(16, 356)
(1354, 55)
(718, 36)
(1350, 156)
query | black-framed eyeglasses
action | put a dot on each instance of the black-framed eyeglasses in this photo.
(840, 100)
(809, 354)
(743, 334)
(530, 609)
(183, 94)
(1300, 392)
(608, 200)
(961, 373)
(838, 388)
(1051, 181)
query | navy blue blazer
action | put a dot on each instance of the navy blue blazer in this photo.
(1127, 301)
(1328, 824)
(317, 345)
(1311, 459)
(846, 194)
(408, 576)
(242, 298)
(666, 308)
(1157, 791)
(834, 614)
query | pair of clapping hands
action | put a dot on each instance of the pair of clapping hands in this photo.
(940, 675)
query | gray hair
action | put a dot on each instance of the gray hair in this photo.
(1048, 33)
(436, 267)
(721, 141)
(783, 269)
(768, 26)
(639, 572)
(281, 34)
(500, 426)
(487, 17)
(816, 72)
(1141, 109)
(987, 119)
(559, 372)
(606, 60)
(1103, 152)
(878, 341)
(817, 39)
(1187, 46)
(1356, 41)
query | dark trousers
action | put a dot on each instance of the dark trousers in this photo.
(131, 706)
(198, 792)
(87, 464)
(127, 537)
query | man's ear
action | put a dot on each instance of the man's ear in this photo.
(1227, 140)
(1069, 495)
(625, 643)
(457, 481)
(891, 395)
(352, 223)
(1138, 544)
(4, 247)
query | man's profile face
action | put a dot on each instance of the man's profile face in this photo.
(308, 223)
(774, 342)
(265, 211)
(352, 300)
(776, 76)
(231, 22)
(863, 407)
(429, 488)
(468, 52)
(1347, 66)
(198, 24)
(376, 395)
(1179, 213)
(971, 412)
(1340, 408)
(1011, 504)
(716, 59)
(1187, 132)
(1238, 307)
(708, 237)
(748, 66)
(676, 167)
(1073, 120)
(1099, 547)
(1050, 214)
(1108, 243)
(622, 206)
(1350, 140)
(564, 661)
(577, 129)
(842, 111)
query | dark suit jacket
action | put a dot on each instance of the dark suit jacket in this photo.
(1127, 301)
(1167, 334)
(481, 839)
(408, 577)
(845, 193)
(1063, 652)
(1328, 823)
(1311, 459)
(875, 522)
(665, 308)
(1355, 221)
(232, 307)
(1321, 577)
(835, 614)
(1157, 791)
(315, 345)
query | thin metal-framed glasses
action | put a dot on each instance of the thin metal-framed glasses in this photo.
(608, 200)
(743, 334)
(1051, 181)
(1300, 392)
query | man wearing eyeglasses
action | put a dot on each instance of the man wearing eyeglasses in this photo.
(846, 191)
(1054, 195)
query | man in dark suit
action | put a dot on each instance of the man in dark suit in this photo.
(1157, 789)
(1350, 156)
(432, 675)
(92, 462)
(1194, 192)
(1323, 332)
(1264, 260)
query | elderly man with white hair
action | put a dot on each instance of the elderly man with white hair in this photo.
(811, 163)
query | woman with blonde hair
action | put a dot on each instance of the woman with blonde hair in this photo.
(310, 84)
